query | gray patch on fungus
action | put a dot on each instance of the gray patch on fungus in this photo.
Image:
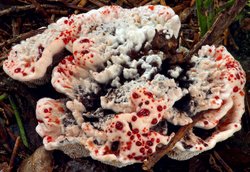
(74, 150)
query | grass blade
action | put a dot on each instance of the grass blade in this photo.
(3, 96)
(19, 122)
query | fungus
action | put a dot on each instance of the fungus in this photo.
(123, 92)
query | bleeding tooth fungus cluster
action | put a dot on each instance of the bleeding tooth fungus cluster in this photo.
(122, 96)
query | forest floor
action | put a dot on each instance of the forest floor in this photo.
(21, 19)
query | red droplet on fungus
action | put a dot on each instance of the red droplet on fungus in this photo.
(134, 118)
(85, 41)
(135, 131)
(158, 140)
(149, 143)
(149, 94)
(142, 150)
(205, 122)
(151, 7)
(159, 108)
(235, 89)
(138, 143)
(17, 70)
(49, 139)
(143, 112)
(150, 151)
(119, 125)
(135, 95)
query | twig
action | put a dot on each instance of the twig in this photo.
(144, 2)
(225, 37)
(16, 26)
(21, 37)
(119, 2)
(6, 147)
(186, 13)
(3, 96)
(192, 3)
(16, 9)
(3, 32)
(73, 1)
(7, 108)
(46, 7)
(98, 3)
(181, 7)
(82, 3)
(6, 119)
(19, 122)
(14, 153)
(185, 42)
(154, 158)
(23, 1)
(153, 2)
(58, 11)
(221, 23)
(222, 162)
(39, 8)
(75, 7)
(232, 42)
(3, 136)
(11, 134)
(213, 164)
(163, 2)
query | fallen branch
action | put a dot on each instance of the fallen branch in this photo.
(118, 2)
(11, 134)
(7, 109)
(154, 2)
(184, 15)
(222, 162)
(144, 2)
(192, 3)
(58, 11)
(14, 153)
(97, 3)
(179, 8)
(21, 37)
(4, 116)
(220, 25)
(213, 164)
(4, 138)
(40, 9)
(163, 2)
(16, 9)
(75, 7)
(47, 8)
(15, 23)
(154, 158)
